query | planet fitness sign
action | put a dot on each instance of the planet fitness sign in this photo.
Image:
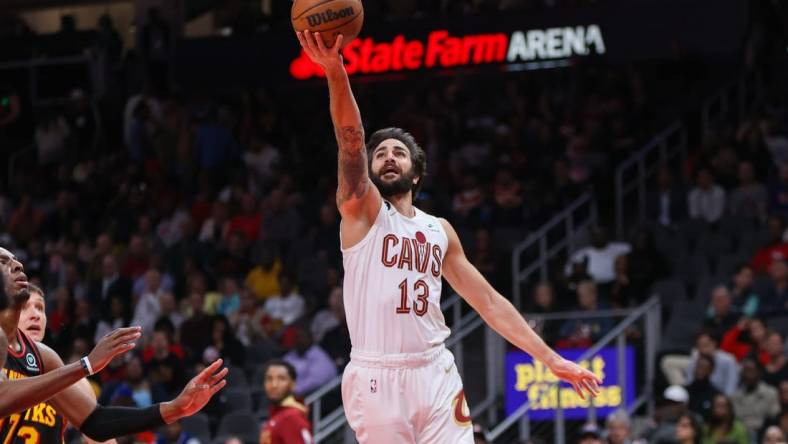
(530, 381)
(441, 49)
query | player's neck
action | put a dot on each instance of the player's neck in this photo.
(404, 204)
(9, 321)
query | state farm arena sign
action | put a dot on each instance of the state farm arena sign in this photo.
(531, 49)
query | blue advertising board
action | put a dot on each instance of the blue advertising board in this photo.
(531, 381)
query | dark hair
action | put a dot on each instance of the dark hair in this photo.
(696, 425)
(708, 359)
(281, 363)
(417, 155)
(4, 300)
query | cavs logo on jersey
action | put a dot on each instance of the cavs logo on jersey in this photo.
(462, 414)
(409, 253)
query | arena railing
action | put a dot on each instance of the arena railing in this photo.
(645, 318)
(633, 174)
(743, 93)
(558, 235)
(33, 67)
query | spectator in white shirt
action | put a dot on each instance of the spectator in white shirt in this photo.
(148, 308)
(287, 306)
(707, 200)
(725, 376)
(600, 257)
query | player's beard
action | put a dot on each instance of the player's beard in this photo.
(19, 299)
(400, 186)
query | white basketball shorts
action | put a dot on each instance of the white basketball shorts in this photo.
(411, 398)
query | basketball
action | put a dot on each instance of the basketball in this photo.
(328, 17)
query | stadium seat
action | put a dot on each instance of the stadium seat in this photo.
(728, 264)
(240, 424)
(670, 291)
(237, 399)
(236, 377)
(691, 268)
(198, 425)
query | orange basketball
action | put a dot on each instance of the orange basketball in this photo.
(328, 17)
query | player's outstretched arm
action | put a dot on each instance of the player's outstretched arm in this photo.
(357, 198)
(21, 394)
(501, 315)
(101, 423)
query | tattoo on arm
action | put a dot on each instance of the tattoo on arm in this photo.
(353, 178)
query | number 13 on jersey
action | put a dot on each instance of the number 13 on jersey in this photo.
(422, 292)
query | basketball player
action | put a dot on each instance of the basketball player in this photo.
(16, 394)
(33, 323)
(27, 358)
(401, 385)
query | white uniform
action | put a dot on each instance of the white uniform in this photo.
(401, 385)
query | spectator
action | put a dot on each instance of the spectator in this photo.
(746, 339)
(689, 430)
(216, 227)
(585, 332)
(225, 343)
(148, 308)
(264, 278)
(600, 257)
(135, 384)
(137, 260)
(774, 250)
(645, 265)
(784, 395)
(544, 303)
(723, 426)
(775, 298)
(776, 370)
(619, 428)
(725, 375)
(720, 316)
(247, 221)
(778, 193)
(668, 205)
(194, 327)
(707, 200)
(773, 435)
(483, 257)
(165, 367)
(282, 223)
(668, 416)
(590, 434)
(288, 306)
(288, 422)
(745, 299)
(750, 198)
(311, 362)
(702, 391)
(175, 434)
(111, 284)
(754, 401)
(119, 316)
(230, 301)
(336, 341)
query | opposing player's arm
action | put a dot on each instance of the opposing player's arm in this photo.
(101, 423)
(501, 315)
(84, 386)
(357, 198)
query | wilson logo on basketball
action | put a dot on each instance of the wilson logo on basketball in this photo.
(441, 49)
(329, 15)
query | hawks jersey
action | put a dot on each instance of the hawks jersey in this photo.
(392, 284)
(39, 424)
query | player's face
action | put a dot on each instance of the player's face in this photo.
(33, 321)
(278, 384)
(392, 168)
(14, 277)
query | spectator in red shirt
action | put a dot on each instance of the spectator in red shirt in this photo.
(248, 220)
(745, 339)
(776, 249)
(287, 423)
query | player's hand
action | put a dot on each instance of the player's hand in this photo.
(196, 394)
(113, 344)
(327, 58)
(580, 378)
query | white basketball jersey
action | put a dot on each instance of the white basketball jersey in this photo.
(392, 284)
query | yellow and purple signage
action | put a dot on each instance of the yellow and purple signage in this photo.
(531, 381)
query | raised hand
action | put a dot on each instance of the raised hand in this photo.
(314, 47)
(580, 378)
(196, 394)
(113, 344)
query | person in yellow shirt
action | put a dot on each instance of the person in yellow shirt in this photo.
(263, 280)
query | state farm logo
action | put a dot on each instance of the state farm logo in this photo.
(329, 15)
(442, 50)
